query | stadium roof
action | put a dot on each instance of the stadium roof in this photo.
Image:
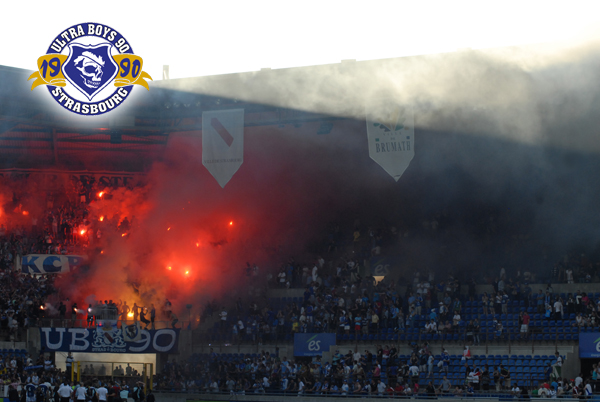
(36, 132)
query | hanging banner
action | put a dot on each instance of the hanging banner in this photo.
(589, 345)
(113, 340)
(381, 265)
(391, 136)
(53, 179)
(223, 143)
(312, 344)
(49, 263)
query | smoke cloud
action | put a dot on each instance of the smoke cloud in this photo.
(506, 161)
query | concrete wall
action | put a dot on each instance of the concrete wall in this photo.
(13, 345)
(572, 365)
(557, 288)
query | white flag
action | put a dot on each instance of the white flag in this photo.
(391, 136)
(223, 143)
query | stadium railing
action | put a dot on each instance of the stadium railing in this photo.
(484, 395)
(83, 323)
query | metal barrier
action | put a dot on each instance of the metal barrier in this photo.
(83, 371)
(421, 395)
(83, 323)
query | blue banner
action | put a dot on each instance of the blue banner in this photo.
(312, 344)
(382, 264)
(589, 344)
(100, 340)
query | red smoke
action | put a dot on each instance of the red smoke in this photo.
(189, 239)
(184, 238)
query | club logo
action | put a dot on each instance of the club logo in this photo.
(89, 69)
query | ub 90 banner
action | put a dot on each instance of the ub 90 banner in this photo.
(108, 340)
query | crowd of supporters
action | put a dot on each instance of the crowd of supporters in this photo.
(56, 223)
(381, 373)
(20, 299)
(25, 379)
(338, 299)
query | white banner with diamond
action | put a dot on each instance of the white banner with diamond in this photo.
(391, 136)
(223, 143)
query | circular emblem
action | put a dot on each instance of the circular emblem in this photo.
(90, 69)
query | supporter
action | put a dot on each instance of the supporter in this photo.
(497, 378)
(524, 322)
(444, 363)
(456, 320)
(540, 302)
(557, 366)
(430, 361)
(65, 392)
(485, 378)
(485, 302)
(558, 309)
(466, 354)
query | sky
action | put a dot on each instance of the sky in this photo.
(200, 38)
